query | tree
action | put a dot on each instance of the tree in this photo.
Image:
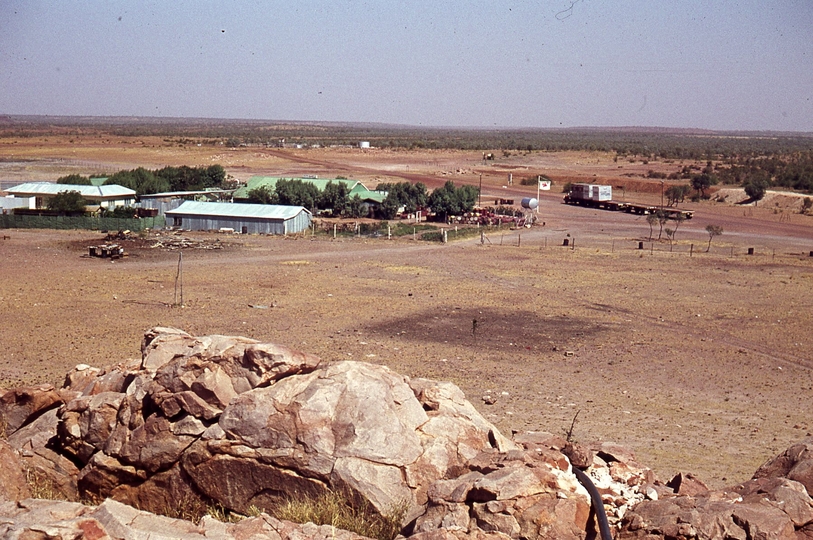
(651, 219)
(755, 188)
(676, 194)
(410, 196)
(702, 182)
(713, 230)
(356, 207)
(662, 217)
(336, 198)
(262, 195)
(670, 235)
(141, 180)
(679, 219)
(443, 200)
(297, 193)
(389, 207)
(121, 212)
(448, 200)
(67, 202)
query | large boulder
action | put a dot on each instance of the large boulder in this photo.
(245, 424)
(13, 485)
(20, 406)
(795, 463)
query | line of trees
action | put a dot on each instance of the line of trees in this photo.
(144, 181)
(294, 192)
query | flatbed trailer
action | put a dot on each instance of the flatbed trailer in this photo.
(671, 213)
(600, 196)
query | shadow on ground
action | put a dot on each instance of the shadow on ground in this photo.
(489, 328)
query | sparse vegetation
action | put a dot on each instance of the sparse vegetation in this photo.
(713, 230)
(662, 218)
(336, 509)
(42, 486)
(651, 220)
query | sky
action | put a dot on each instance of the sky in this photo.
(705, 64)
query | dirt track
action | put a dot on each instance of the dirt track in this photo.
(700, 364)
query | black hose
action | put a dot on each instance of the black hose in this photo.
(598, 505)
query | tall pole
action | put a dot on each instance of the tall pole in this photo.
(538, 181)
(480, 193)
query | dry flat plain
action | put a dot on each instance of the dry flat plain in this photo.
(700, 362)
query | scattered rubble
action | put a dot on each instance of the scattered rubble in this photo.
(175, 240)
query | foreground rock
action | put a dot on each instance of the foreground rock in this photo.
(241, 424)
(775, 504)
(231, 422)
(61, 520)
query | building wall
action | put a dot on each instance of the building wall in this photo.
(294, 225)
(161, 204)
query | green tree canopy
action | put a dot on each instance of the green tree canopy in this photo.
(702, 182)
(410, 196)
(336, 198)
(755, 188)
(67, 202)
(356, 208)
(448, 200)
(262, 195)
(297, 193)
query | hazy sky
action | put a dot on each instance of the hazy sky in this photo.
(745, 65)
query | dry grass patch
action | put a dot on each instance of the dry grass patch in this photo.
(336, 509)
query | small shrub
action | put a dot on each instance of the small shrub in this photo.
(42, 486)
(187, 507)
(224, 515)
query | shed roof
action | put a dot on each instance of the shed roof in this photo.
(33, 189)
(236, 210)
(171, 194)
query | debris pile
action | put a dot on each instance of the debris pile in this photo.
(177, 241)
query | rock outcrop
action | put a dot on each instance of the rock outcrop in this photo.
(62, 520)
(243, 425)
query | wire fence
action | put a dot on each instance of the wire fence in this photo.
(650, 247)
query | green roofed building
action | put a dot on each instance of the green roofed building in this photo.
(354, 187)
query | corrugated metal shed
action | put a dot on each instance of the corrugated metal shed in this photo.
(39, 189)
(246, 218)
